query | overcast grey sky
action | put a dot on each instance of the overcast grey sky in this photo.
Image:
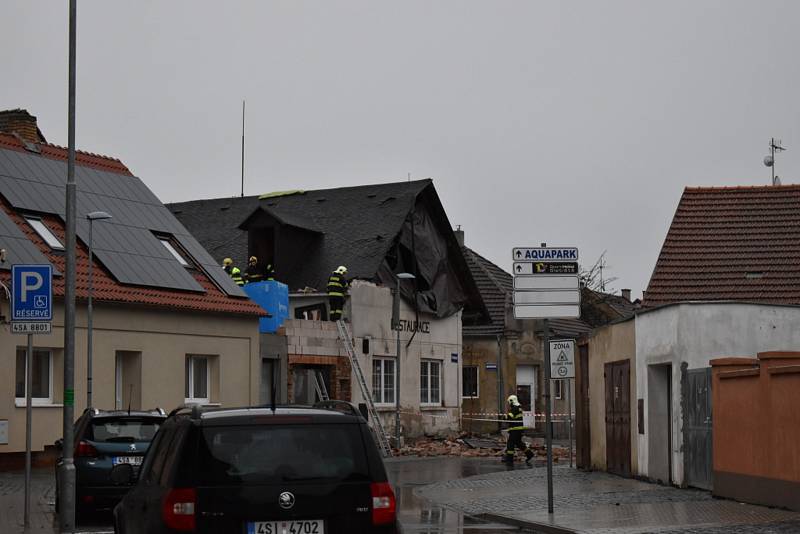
(574, 123)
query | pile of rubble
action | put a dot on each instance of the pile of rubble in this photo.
(475, 447)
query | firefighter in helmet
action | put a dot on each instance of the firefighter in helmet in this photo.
(337, 289)
(234, 272)
(515, 428)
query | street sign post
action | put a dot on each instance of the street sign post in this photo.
(31, 312)
(547, 286)
(562, 358)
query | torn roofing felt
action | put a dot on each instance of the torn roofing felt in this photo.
(375, 231)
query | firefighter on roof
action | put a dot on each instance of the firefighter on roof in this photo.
(515, 429)
(337, 289)
(234, 272)
(254, 272)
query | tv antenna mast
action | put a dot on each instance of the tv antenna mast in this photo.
(769, 161)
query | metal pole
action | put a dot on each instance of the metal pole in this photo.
(28, 422)
(500, 400)
(66, 476)
(547, 419)
(89, 332)
(397, 389)
(569, 417)
(242, 148)
(772, 153)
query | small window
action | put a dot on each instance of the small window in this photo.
(172, 250)
(45, 233)
(42, 390)
(469, 381)
(558, 389)
(430, 382)
(383, 380)
(197, 379)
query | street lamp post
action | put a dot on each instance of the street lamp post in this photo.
(93, 216)
(396, 326)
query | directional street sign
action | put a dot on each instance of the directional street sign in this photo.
(32, 298)
(562, 358)
(544, 254)
(541, 267)
(546, 283)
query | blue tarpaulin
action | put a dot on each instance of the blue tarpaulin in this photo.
(274, 298)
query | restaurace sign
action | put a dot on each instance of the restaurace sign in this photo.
(423, 327)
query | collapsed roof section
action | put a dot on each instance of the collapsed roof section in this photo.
(376, 231)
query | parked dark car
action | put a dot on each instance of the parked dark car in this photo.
(104, 439)
(292, 470)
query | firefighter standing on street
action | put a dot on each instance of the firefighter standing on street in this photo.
(337, 289)
(254, 273)
(234, 272)
(515, 429)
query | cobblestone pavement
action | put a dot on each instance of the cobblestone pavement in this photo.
(599, 503)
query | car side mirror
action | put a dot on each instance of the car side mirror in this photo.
(122, 474)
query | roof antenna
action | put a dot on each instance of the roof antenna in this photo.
(769, 161)
(243, 102)
(130, 396)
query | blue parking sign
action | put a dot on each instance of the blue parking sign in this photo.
(32, 293)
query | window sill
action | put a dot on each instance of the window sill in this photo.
(201, 402)
(474, 397)
(385, 407)
(20, 403)
(432, 407)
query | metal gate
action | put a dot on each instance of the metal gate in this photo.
(618, 417)
(697, 442)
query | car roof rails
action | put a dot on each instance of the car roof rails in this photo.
(94, 411)
(338, 406)
(158, 410)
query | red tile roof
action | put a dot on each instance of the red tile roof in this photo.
(731, 243)
(106, 288)
(85, 159)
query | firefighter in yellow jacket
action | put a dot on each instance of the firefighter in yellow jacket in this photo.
(515, 428)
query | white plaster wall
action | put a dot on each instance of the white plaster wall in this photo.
(370, 309)
(696, 333)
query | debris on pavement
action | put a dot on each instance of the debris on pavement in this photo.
(477, 447)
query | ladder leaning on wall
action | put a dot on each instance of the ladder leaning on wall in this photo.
(380, 433)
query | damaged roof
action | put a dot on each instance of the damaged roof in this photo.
(358, 227)
(495, 284)
(731, 243)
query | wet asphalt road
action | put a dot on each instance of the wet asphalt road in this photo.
(419, 515)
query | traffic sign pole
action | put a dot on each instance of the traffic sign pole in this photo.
(548, 431)
(28, 422)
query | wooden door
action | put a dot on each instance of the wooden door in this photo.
(618, 417)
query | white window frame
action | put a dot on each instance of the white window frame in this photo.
(558, 388)
(430, 363)
(382, 401)
(172, 250)
(190, 398)
(36, 401)
(477, 382)
(44, 232)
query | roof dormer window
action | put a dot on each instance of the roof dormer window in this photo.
(44, 232)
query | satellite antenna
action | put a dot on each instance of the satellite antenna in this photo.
(769, 161)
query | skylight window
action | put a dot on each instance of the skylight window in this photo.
(45, 233)
(172, 250)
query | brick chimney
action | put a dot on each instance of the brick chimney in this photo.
(626, 294)
(22, 123)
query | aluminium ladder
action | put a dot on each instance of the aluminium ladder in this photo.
(380, 433)
(319, 386)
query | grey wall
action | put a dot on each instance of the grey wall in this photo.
(658, 380)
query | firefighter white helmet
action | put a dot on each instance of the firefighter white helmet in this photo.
(341, 269)
(512, 400)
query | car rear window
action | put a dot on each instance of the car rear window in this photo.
(123, 430)
(256, 454)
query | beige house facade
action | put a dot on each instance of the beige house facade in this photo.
(143, 358)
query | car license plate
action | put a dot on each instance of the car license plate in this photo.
(307, 526)
(133, 460)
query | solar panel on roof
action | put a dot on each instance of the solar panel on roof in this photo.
(19, 249)
(126, 244)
